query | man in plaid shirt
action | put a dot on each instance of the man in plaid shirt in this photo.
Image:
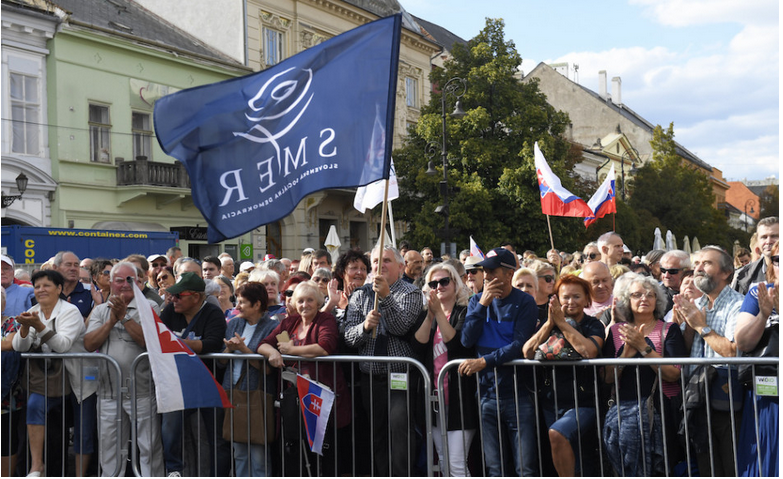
(399, 309)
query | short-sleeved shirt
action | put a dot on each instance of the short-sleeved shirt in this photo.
(120, 346)
(751, 305)
(82, 299)
(18, 299)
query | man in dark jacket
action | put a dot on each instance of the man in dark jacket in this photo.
(767, 232)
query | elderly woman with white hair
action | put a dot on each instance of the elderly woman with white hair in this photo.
(312, 333)
(641, 303)
(437, 341)
(271, 281)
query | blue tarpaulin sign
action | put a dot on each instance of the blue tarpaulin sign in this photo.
(255, 146)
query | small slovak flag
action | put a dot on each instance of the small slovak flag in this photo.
(474, 249)
(316, 402)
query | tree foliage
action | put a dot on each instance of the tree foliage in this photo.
(490, 154)
(670, 194)
(769, 202)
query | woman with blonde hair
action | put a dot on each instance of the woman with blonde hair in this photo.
(438, 341)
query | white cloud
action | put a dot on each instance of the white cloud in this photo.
(683, 13)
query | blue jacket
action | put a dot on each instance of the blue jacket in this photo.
(253, 375)
(498, 333)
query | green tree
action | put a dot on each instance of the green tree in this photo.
(670, 194)
(490, 154)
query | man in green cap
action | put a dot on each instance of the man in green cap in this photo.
(202, 326)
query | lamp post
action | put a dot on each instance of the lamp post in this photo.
(631, 154)
(750, 203)
(455, 87)
(21, 185)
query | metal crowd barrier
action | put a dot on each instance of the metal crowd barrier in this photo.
(586, 438)
(87, 373)
(276, 458)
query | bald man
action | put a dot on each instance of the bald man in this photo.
(597, 274)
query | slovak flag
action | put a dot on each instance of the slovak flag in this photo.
(316, 401)
(182, 381)
(475, 250)
(603, 201)
(556, 200)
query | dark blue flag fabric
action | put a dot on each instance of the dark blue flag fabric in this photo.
(255, 146)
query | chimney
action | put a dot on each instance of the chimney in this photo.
(602, 84)
(616, 98)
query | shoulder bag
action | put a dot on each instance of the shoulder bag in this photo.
(252, 420)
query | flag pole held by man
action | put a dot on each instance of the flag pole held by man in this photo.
(255, 146)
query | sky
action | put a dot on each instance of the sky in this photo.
(709, 66)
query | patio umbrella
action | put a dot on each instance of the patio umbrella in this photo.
(671, 241)
(658, 241)
(696, 246)
(333, 244)
(686, 245)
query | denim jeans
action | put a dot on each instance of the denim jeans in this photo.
(249, 460)
(171, 433)
(517, 419)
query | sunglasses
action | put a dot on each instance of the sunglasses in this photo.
(321, 280)
(670, 270)
(548, 278)
(164, 277)
(442, 282)
(185, 294)
(592, 255)
(474, 270)
(158, 265)
(288, 293)
(106, 272)
(775, 260)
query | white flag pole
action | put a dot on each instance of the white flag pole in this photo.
(381, 248)
(391, 225)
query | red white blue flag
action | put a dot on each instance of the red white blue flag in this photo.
(474, 249)
(603, 201)
(316, 400)
(556, 200)
(182, 380)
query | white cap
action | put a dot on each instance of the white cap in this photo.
(153, 257)
(308, 250)
(7, 260)
(246, 266)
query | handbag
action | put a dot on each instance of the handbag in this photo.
(767, 347)
(557, 348)
(253, 418)
(47, 376)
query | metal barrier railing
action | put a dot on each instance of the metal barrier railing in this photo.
(587, 440)
(302, 463)
(604, 469)
(87, 373)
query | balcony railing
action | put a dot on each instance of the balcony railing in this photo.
(145, 172)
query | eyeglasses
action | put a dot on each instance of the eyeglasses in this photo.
(128, 279)
(474, 270)
(163, 277)
(775, 260)
(592, 255)
(158, 265)
(106, 272)
(442, 282)
(185, 294)
(639, 295)
(670, 270)
(288, 293)
(548, 278)
(321, 280)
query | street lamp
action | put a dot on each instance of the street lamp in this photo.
(21, 185)
(751, 202)
(631, 154)
(455, 87)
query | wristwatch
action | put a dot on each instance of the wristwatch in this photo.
(647, 350)
(705, 331)
(124, 320)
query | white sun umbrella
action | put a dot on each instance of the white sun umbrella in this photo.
(658, 241)
(696, 246)
(671, 241)
(686, 245)
(333, 244)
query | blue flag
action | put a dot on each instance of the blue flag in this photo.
(255, 146)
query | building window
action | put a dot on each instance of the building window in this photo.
(274, 46)
(100, 144)
(142, 135)
(25, 114)
(412, 92)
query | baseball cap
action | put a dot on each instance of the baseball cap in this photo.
(153, 257)
(267, 257)
(472, 262)
(308, 250)
(497, 258)
(246, 266)
(187, 282)
(7, 260)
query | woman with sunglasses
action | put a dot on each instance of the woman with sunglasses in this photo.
(545, 273)
(759, 313)
(641, 303)
(165, 279)
(437, 341)
(100, 269)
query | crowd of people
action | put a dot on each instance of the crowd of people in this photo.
(539, 418)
